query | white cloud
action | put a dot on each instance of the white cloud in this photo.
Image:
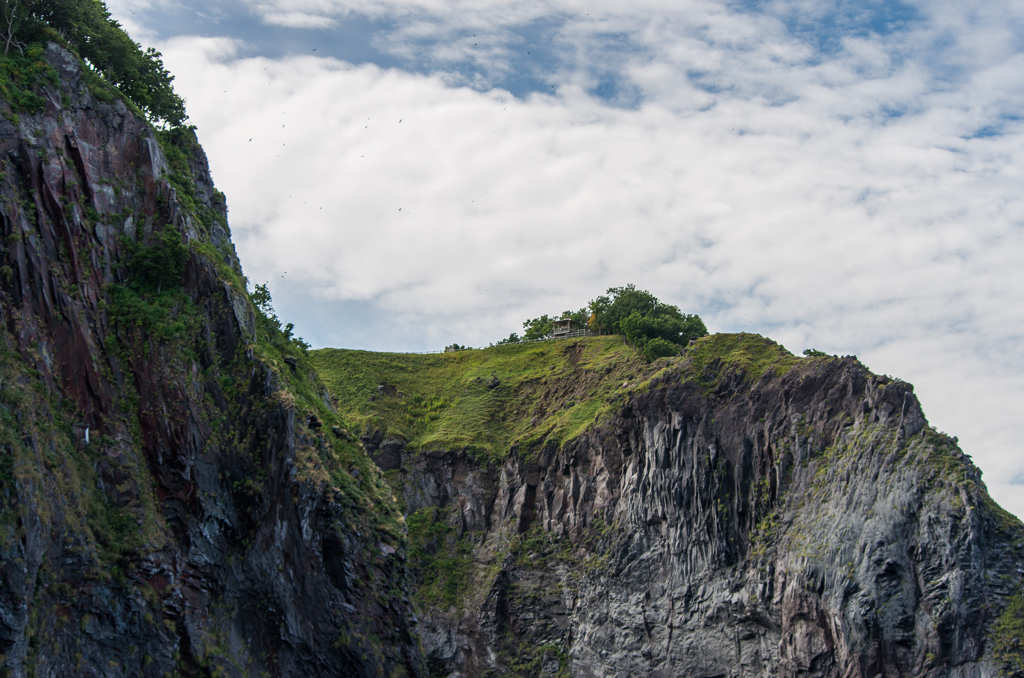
(298, 20)
(131, 15)
(840, 201)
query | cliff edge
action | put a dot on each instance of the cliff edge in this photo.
(735, 511)
(186, 490)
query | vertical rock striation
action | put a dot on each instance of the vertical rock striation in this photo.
(801, 522)
(169, 500)
(179, 496)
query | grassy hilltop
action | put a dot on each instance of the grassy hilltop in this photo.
(517, 394)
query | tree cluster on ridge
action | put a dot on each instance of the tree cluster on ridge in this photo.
(654, 328)
(87, 27)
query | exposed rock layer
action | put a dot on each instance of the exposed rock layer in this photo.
(175, 498)
(166, 503)
(802, 524)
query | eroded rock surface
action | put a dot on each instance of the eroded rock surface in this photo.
(167, 506)
(178, 497)
(802, 524)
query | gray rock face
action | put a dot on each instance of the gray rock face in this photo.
(216, 522)
(808, 524)
(197, 532)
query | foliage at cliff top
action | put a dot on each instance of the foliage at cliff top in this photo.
(87, 27)
(523, 395)
(654, 328)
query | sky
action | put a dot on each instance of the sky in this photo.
(844, 175)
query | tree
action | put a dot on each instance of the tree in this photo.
(538, 328)
(99, 39)
(261, 299)
(654, 328)
(13, 15)
(609, 311)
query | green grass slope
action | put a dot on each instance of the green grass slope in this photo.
(489, 400)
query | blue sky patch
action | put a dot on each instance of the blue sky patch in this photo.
(825, 24)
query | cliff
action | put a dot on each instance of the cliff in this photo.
(735, 511)
(174, 502)
(183, 494)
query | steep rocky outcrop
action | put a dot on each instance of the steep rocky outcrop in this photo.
(803, 521)
(180, 497)
(171, 503)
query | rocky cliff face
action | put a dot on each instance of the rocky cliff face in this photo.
(800, 521)
(172, 500)
(180, 497)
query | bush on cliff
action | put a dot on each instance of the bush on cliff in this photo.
(160, 265)
(270, 325)
(654, 328)
(1008, 638)
(86, 25)
(152, 301)
(20, 74)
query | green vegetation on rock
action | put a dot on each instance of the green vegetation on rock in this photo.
(20, 78)
(439, 559)
(87, 27)
(750, 355)
(522, 395)
(486, 400)
(39, 434)
(653, 328)
(1008, 638)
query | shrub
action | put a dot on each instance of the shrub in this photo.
(161, 265)
(88, 27)
(654, 328)
(20, 74)
(1008, 638)
(658, 348)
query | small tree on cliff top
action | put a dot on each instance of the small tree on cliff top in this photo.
(88, 27)
(654, 328)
